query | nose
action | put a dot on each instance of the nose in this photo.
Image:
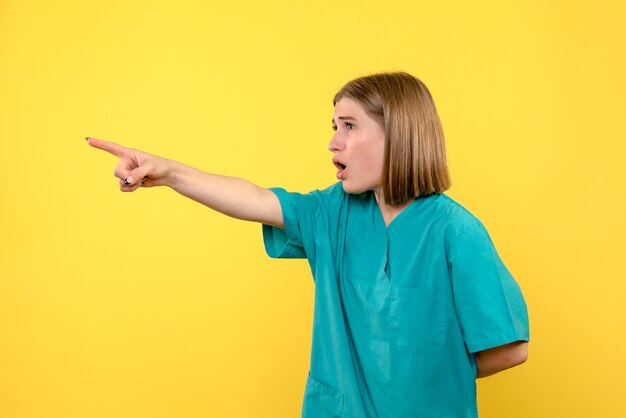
(334, 144)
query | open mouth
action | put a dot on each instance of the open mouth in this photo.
(341, 168)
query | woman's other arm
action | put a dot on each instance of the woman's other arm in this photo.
(500, 358)
(231, 196)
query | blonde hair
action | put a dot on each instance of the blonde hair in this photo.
(415, 157)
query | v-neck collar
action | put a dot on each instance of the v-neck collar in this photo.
(416, 202)
(388, 233)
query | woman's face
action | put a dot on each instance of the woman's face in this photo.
(358, 147)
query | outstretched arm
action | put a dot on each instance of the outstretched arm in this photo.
(496, 359)
(231, 196)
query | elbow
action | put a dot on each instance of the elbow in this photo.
(520, 354)
(516, 360)
(501, 358)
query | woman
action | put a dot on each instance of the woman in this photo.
(412, 301)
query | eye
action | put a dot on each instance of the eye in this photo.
(349, 126)
(335, 128)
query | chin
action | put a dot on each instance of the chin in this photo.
(351, 188)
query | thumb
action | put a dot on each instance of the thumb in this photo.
(136, 176)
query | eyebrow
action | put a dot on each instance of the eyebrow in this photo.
(344, 118)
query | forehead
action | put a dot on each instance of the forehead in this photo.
(347, 107)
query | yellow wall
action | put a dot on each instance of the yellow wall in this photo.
(149, 305)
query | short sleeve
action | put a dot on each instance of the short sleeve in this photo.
(310, 219)
(284, 243)
(488, 301)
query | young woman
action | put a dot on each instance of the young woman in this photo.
(412, 301)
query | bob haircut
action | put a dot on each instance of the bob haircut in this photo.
(415, 157)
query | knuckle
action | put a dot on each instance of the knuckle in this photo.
(119, 172)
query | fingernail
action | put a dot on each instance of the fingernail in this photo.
(87, 138)
(128, 180)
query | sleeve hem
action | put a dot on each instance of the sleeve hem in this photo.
(283, 243)
(486, 344)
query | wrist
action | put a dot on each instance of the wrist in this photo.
(174, 173)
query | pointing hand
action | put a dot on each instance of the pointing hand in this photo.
(136, 168)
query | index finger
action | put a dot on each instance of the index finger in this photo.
(110, 147)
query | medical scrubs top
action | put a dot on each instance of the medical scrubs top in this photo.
(399, 310)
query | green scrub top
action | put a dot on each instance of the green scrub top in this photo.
(399, 310)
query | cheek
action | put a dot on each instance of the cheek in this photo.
(376, 158)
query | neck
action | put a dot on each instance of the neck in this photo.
(388, 211)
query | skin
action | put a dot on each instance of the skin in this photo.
(358, 144)
(222, 193)
(500, 358)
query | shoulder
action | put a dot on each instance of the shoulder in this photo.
(452, 212)
(464, 234)
(455, 218)
(331, 196)
(315, 200)
(333, 192)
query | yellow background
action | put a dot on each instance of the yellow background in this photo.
(150, 305)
